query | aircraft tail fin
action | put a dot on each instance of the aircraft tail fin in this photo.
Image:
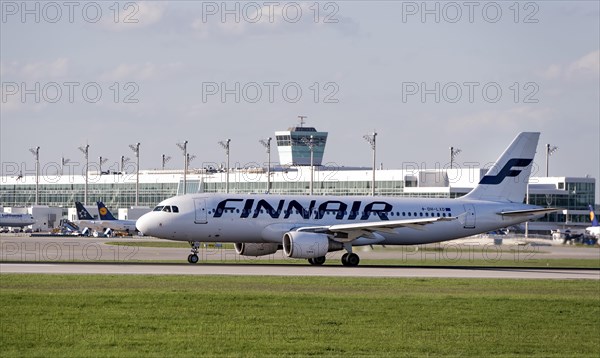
(506, 180)
(593, 217)
(105, 214)
(82, 213)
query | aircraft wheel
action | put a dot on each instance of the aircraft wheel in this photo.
(319, 260)
(352, 260)
(193, 258)
(311, 261)
(345, 259)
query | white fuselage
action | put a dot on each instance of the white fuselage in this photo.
(594, 231)
(100, 225)
(266, 218)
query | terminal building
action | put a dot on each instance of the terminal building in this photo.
(118, 190)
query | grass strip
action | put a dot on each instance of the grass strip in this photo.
(156, 316)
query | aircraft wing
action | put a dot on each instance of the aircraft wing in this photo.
(349, 232)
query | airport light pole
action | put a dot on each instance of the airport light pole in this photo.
(371, 138)
(549, 151)
(310, 143)
(267, 144)
(63, 161)
(453, 153)
(85, 150)
(36, 153)
(190, 157)
(124, 160)
(183, 147)
(136, 149)
(225, 145)
(165, 160)
(100, 162)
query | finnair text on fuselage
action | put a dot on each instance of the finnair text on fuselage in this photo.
(355, 210)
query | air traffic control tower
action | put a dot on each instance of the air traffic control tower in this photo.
(293, 145)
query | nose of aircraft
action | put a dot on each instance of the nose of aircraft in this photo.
(145, 224)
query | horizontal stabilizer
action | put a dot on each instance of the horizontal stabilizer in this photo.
(528, 212)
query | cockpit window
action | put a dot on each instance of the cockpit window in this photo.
(167, 209)
(158, 208)
(175, 209)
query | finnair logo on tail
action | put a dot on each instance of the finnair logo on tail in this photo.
(507, 171)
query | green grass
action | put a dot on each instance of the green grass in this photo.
(156, 316)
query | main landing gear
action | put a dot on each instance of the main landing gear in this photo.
(349, 259)
(193, 257)
(317, 261)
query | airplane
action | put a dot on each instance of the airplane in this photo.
(16, 220)
(593, 230)
(113, 223)
(308, 227)
(86, 220)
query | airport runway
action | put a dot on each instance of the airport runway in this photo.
(90, 249)
(296, 270)
(81, 255)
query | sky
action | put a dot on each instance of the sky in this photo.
(424, 75)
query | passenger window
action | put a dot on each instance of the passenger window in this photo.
(175, 209)
(158, 208)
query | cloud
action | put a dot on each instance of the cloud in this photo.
(280, 19)
(135, 15)
(583, 68)
(141, 71)
(35, 70)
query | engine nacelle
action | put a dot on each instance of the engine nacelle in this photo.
(308, 245)
(251, 249)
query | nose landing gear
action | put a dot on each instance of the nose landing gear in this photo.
(193, 257)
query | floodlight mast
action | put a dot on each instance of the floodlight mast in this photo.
(165, 160)
(550, 149)
(371, 138)
(63, 161)
(453, 153)
(85, 150)
(100, 162)
(267, 144)
(136, 149)
(124, 160)
(36, 153)
(183, 147)
(225, 145)
(190, 157)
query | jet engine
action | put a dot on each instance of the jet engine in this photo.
(308, 245)
(251, 249)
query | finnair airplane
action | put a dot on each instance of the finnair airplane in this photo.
(16, 220)
(113, 223)
(311, 226)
